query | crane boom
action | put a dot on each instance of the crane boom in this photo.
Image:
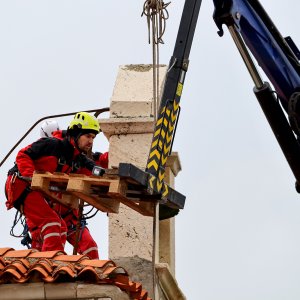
(170, 102)
(168, 113)
(254, 33)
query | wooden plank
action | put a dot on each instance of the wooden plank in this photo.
(105, 205)
(41, 184)
(144, 208)
(104, 193)
(70, 200)
(117, 190)
(81, 188)
(58, 177)
(77, 184)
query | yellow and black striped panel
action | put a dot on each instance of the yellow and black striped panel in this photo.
(162, 139)
(154, 184)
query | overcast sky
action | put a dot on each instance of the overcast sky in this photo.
(239, 234)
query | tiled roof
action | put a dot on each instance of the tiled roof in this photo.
(20, 266)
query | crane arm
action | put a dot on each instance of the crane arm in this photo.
(255, 35)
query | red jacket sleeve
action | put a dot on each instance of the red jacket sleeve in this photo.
(103, 160)
(25, 163)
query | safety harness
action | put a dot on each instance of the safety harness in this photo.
(18, 203)
(14, 173)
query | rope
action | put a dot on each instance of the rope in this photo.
(156, 11)
(19, 217)
(78, 226)
(157, 14)
(89, 214)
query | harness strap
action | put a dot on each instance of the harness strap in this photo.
(60, 164)
(20, 201)
(14, 172)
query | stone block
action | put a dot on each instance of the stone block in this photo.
(130, 148)
(25, 291)
(130, 234)
(134, 83)
(117, 126)
(60, 291)
(101, 292)
(125, 109)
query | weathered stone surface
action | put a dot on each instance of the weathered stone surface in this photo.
(167, 243)
(134, 84)
(127, 109)
(130, 234)
(25, 291)
(130, 148)
(117, 126)
(173, 162)
(60, 291)
(100, 292)
(168, 283)
(139, 269)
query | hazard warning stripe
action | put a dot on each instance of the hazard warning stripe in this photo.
(161, 143)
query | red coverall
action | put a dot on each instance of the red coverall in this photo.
(86, 244)
(42, 219)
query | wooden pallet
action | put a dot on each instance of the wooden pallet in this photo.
(104, 193)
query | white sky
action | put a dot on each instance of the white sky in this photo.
(239, 234)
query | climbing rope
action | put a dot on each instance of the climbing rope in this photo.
(91, 213)
(26, 239)
(157, 15)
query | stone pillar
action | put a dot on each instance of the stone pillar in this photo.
(167, 227)
(130, 130)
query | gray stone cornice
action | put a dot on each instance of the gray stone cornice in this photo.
(116, 126)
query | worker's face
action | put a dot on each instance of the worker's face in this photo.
(85, 142)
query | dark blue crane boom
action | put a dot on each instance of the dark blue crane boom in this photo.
(254, 33)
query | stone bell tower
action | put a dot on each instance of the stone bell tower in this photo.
(142, 244)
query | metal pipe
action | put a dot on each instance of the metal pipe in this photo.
(280, 126)
(258, 82)
(96, 114)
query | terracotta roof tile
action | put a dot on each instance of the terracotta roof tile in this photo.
(19, 266)
(70, 258)
(45, 254)
(2, 264)
(97, 263)
(4, 250)
(17, 253)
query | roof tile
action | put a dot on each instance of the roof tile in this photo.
(71, 258)
(46, 254)
(18, 253)
(4, 250)
(19, 266)
(2, 264)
